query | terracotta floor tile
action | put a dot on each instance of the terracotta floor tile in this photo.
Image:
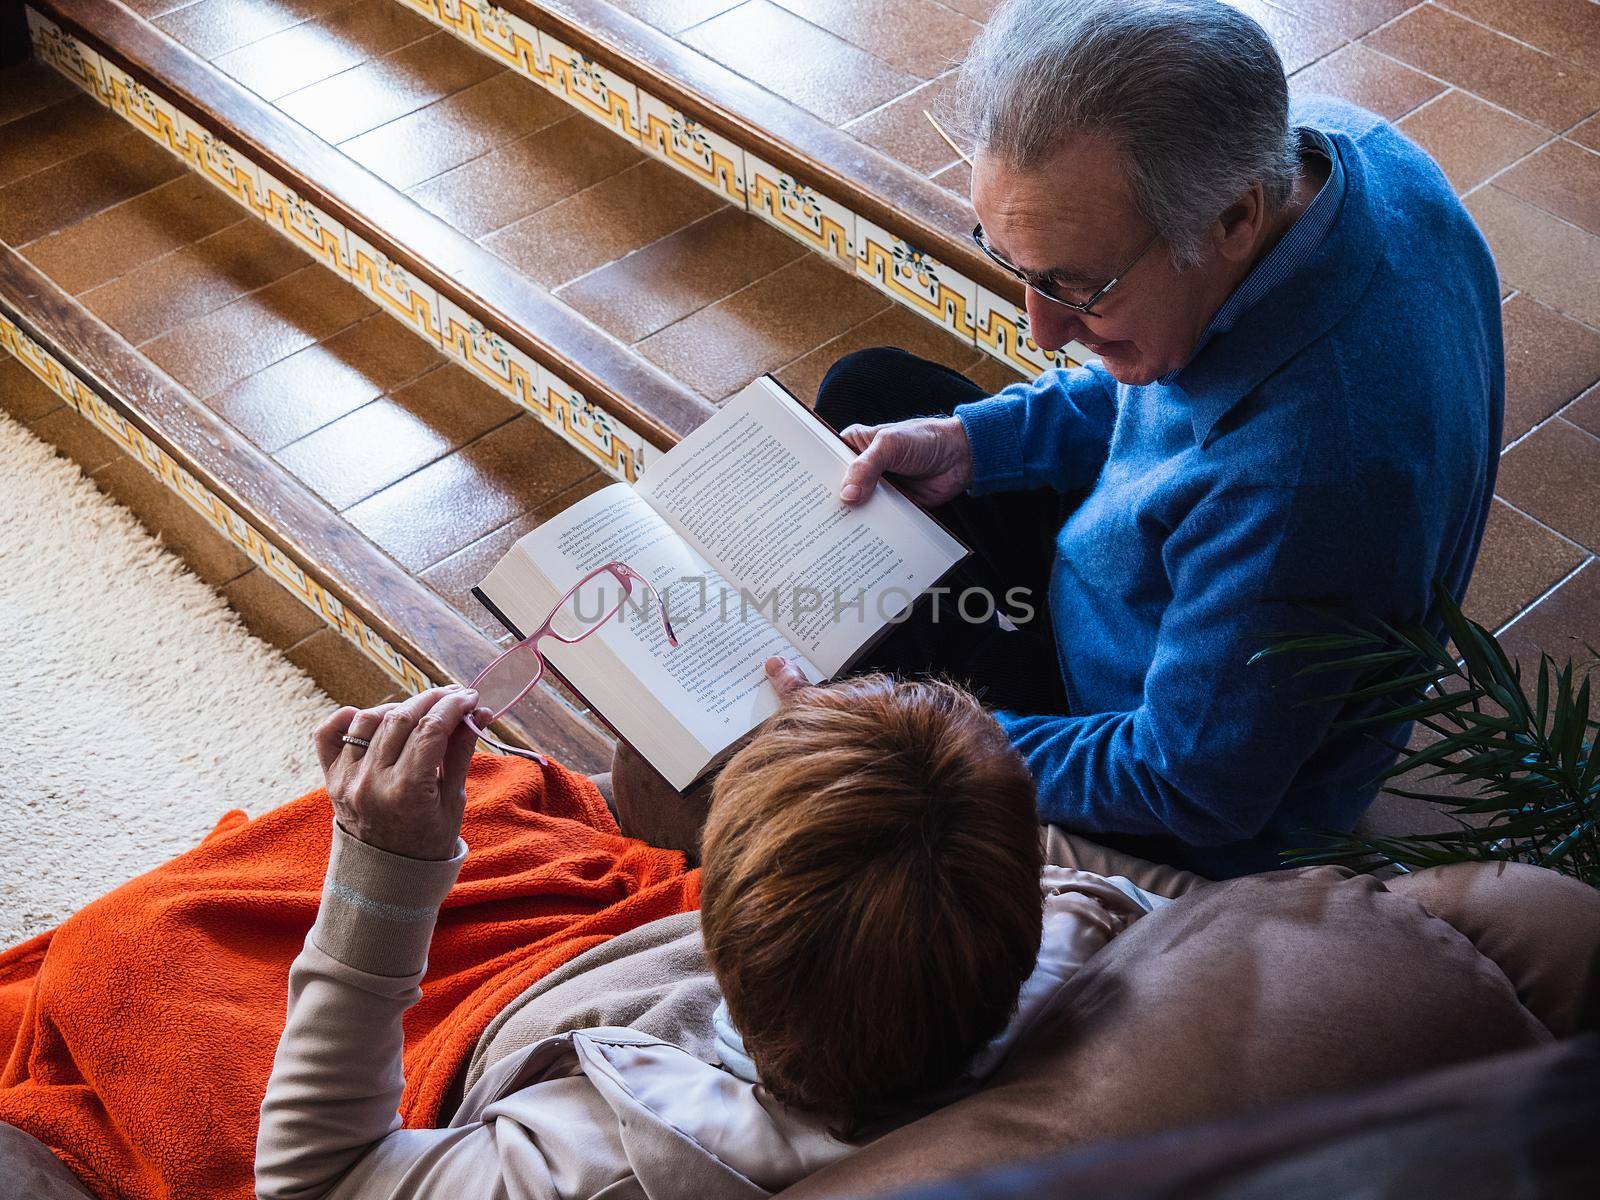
(150, 9)
(341, 670)
(1470, 140)
(978, 10)
(719, 349)
(1373, 81)
(902, 132)
(28, 86)
(75, 438)
(455, 130)
(43, 138)
(1586, 133)
(269, 611)
(602, 223)
(195, 280)
(799, 61)
(895, 326)
(919, 37)
(992, 375)
(680, 274)
(386, 440)
(449, 504)
(1554, 476)
(321, 383)
(378, 91)
(214, 27)
(674, 16)
(1550, 360)
(207, 553)
(1352, 18)
(526, 175)
(1539, 254)
(1566, 28)
(1528, 82)
(1584, 412)
(1565, 624)
(81, 186)
(126, 236)
(1520, 560)
(957, 178)
(313, 50)
(455, 577)
(1300, 42)
(255, 331)
(1563, 178)
(23, 395)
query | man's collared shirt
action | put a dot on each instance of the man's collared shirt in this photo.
(1333, 438)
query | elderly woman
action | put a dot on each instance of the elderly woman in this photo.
(871, 907)
(1297, 397)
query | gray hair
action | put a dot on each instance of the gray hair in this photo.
(1190, 92)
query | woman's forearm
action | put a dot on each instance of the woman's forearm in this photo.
(336, 1079)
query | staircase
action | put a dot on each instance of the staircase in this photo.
(368, 288)
(370, 295)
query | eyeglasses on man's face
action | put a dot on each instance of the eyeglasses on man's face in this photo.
(1078, 300)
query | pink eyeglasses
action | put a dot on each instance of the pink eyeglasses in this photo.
(588, 604)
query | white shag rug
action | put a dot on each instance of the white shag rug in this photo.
(135, 708)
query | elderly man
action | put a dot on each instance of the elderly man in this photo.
(1298, 397)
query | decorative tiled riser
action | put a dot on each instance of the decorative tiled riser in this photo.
(603, 439)
(904, 273)
(109, 419)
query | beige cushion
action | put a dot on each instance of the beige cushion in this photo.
(1246, 992)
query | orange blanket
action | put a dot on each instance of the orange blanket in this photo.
(138, 1035)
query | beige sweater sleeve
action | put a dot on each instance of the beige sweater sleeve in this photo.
(336, 1078)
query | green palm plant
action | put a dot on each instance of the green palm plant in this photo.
(1522, 749)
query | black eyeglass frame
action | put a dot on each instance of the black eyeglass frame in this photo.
(1086, 309)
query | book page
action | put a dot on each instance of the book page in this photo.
(679, 706)
(756, 491)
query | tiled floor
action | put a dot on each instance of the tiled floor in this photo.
(1505, 94)
(704, 290)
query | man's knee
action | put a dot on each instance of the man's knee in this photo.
(885, 383)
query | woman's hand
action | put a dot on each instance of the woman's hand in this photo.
(785, 677)
(406, 791)
(929, 456)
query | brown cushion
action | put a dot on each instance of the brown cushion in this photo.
(1240, 994)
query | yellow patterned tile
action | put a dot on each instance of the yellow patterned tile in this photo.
(412, 300)
(916, 279)
(698, 151)
(318, 596)
(1003, 332)
(218, 161)
(802, 212)
(313, 230)
(594, 90)
(491, 357)
(607, 442)
(67, 54)
(151, 114)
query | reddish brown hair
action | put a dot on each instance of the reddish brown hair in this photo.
(870, 899)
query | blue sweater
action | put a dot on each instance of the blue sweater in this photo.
(1334, 438)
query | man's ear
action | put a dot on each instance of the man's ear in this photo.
(1236, 230)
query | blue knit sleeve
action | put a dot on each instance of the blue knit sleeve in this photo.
(1053, 432)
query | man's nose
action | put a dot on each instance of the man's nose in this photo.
(1051, 325)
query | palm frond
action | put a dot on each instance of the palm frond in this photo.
(1517, 750)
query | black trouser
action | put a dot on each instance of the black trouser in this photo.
(1012, 536)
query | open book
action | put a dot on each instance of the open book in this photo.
(741, 530)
